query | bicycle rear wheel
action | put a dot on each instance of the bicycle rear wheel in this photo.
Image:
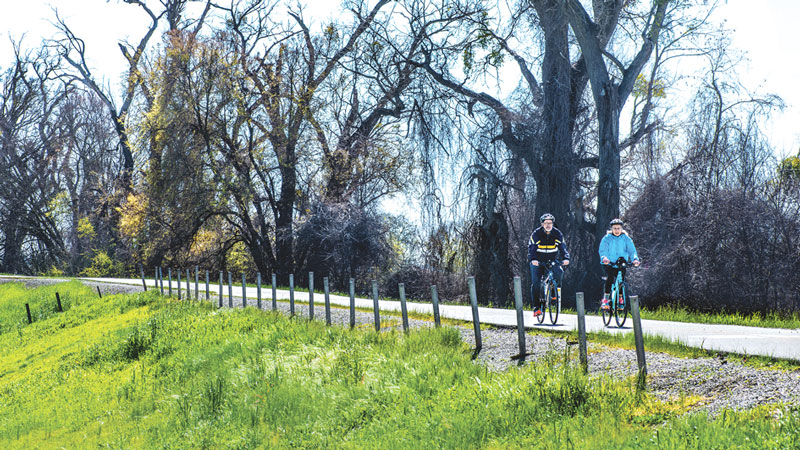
(552, 302)
(620, 315)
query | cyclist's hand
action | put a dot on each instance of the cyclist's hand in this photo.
(566, 262)
(534, 262)
(606, 260)
(636, 262)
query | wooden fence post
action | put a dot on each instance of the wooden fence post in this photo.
(473, 297)
(208, 293)
(352, 302)
(58, 303)
(520, 317)
(161, 279)
(435, 300)
(169, 274)
(99, 294)
(584, 358)
(221, 288)
(326, 286)
(274, 292)
(230, 290)
(179, 285)
(639, 338)
(310, 295)
(291, 295)
(28, 311)
(144, 284)
(244, 291)
(403, 307)
(375, 305)
(188, 285)
(258, 290)
(197, 282)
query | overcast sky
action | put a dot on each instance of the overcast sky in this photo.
(765, 30)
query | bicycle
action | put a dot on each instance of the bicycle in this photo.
(550, 293)
(619, 294)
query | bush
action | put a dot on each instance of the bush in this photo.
(728, 250)
(102, 266)
(344, 242)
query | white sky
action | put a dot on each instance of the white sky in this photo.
(766, 30)
(763, 29)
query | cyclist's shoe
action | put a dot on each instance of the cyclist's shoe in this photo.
(537, 312)
(604, 304)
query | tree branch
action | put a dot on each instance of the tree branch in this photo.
(503, 113)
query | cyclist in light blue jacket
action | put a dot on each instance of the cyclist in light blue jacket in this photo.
(614, 245)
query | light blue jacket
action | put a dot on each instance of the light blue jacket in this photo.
(614, 247)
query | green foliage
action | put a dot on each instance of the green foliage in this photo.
(102, 266)
(58, 206)
(86, 229)
(141, 371)
(491, 51)
(642, 86)
(54, 271)
(239, 258)
(789, 169)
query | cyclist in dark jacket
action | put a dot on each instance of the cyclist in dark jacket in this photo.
(546, 244)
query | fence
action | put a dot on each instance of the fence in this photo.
(518, 301)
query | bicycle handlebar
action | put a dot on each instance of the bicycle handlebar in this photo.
(550, 264)
(620, 263)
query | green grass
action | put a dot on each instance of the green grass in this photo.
(682, 314)
(140, 371)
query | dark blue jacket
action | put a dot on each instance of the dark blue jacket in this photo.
(545, 246)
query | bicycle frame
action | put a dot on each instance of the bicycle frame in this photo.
(545, 299)
(618, 290)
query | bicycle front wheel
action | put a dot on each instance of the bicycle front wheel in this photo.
(552, 302)
(542, 298)
(607, 313)
(621, 314)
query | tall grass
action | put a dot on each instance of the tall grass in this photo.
(139, 371)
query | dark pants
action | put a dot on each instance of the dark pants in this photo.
(611, 276)
(537, 273)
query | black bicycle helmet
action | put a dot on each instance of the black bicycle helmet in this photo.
(616, 222)
(547, 216)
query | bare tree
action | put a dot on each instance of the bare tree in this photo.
(30, 137)
(253, 117)
(716, 228)
(544, 125)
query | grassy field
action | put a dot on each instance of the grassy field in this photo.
(140, 371)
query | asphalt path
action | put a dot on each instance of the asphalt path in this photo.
(772, 342)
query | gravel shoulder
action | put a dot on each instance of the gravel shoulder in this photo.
(718, 383)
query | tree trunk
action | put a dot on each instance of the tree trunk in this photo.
(609, 162)
(555, 172)
(284, 219)
(12, 253)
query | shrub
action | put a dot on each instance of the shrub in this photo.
(727, 250)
